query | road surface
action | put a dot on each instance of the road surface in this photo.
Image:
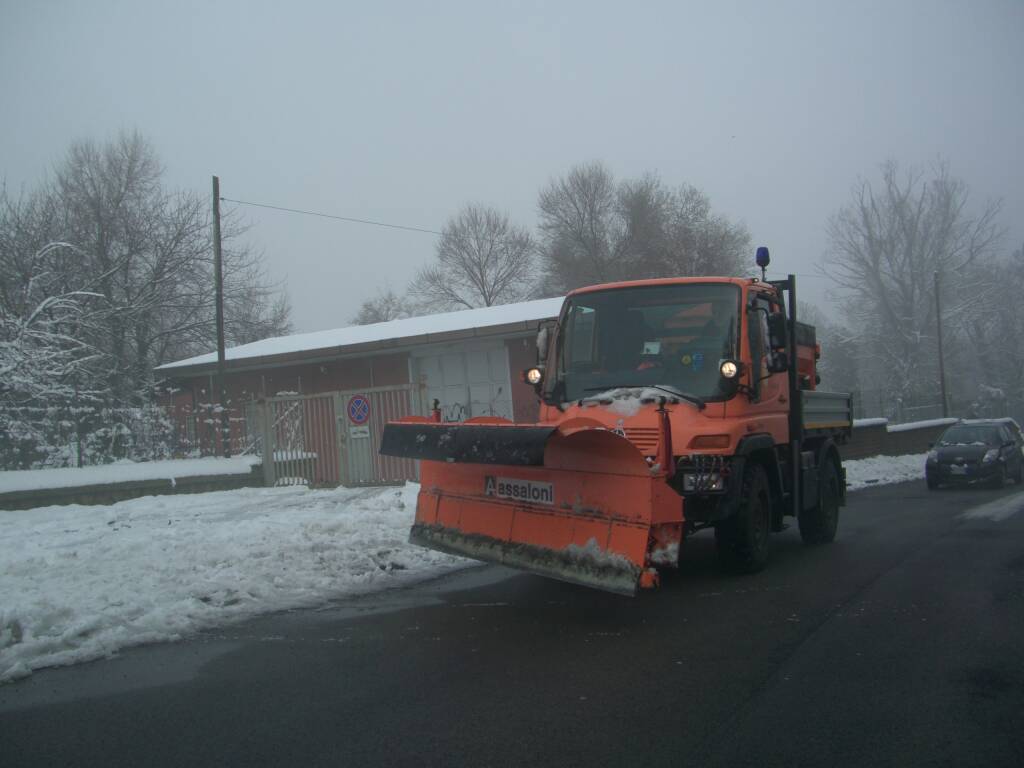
(900, 644)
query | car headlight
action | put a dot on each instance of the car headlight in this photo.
(991, 455)
(933, 456)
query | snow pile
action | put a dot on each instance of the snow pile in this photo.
(123, 472)
(880, 470)
(873, 422)
(912, 425)
(627, 401)
(79, 583)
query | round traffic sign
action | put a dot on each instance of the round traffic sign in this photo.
(359, 409)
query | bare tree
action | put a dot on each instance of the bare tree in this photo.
(482, 259)
(385, 306)
(594, 230)
(993, 338)
(885, 247)
(580, 229)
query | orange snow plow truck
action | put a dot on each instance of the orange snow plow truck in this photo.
(667, 406)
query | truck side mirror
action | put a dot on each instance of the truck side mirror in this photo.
(543, 340)
(777, 330)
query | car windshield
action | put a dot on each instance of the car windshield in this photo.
(664, 335)
(970, 435)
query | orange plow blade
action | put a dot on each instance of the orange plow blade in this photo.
(584, 514)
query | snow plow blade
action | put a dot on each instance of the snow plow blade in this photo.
(476, 443)
(583, 513)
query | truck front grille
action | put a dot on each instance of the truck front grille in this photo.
(644, 438)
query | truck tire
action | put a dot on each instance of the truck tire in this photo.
(818, 524)
(742, 539)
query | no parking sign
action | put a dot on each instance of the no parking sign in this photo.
(359, 414)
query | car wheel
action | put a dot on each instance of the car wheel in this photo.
(742, 539)
(999, 478)
(931, 482)
(1019, 477)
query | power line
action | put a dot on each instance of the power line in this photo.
(332, 216)
(394, 226)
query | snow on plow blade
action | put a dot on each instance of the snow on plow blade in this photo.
(582, 512)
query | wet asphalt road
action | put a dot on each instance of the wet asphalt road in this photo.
(900, 644)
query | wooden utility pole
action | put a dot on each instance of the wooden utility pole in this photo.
(222, 400)
(942, 365)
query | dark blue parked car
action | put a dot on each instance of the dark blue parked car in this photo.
(977, 451)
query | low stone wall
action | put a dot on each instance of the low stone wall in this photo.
(111, 492)
(876, 437)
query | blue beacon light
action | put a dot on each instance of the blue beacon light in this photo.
(763, 260)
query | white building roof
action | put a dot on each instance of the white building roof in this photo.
(471, 322)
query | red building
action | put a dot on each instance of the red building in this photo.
(469, 361)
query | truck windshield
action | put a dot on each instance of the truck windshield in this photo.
(666, 335)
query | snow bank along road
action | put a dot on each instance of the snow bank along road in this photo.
(79, 583)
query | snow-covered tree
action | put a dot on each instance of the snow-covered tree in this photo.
(46, 381)
(147, 251)
(143, 256)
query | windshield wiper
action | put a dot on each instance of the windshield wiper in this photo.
(699, 402)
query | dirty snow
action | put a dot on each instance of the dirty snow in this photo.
(123, 472)
(881, 470)
(81, 582)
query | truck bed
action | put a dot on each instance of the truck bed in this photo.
(826, 413)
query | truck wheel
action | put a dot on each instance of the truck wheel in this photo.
(742, 539)
(818, 525)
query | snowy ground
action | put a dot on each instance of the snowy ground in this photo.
(123, 472)
(80, 582)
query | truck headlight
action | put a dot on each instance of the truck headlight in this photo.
(729, 369)
(533, 376)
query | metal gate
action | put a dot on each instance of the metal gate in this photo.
(334, 438)
(363, 414)
(303, 444)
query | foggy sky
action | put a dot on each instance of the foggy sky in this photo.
(402, 112)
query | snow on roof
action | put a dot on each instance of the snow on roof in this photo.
(393, 330)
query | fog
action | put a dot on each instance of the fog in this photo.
(403, 112)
